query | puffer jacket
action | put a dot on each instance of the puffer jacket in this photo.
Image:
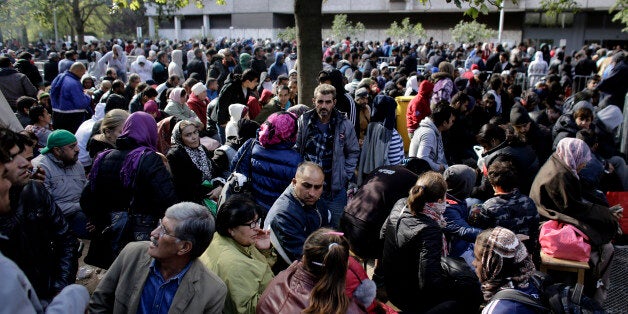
(346, 148)
(65, 183)
(419, 106)
(414, 278)
(270, 169)
(458, 231)
(40, 240)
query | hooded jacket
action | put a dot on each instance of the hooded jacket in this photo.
(427, 144)
(278, 68)
(146, 71)
(118, 63)
(419, 106)
(27, 68)
(176, 66)
(14, 85)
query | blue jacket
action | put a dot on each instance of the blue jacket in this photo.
(66, 94)
(269, 169)
(458, 231)
(292, 222)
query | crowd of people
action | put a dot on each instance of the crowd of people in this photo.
(141, 149)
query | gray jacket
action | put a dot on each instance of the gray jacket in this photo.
(64, 183)
(346, 148)
(427, 144)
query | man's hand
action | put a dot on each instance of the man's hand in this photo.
(215, 193)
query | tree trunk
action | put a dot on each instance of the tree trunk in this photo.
(307, 15)
(24, 36)
(79, 24)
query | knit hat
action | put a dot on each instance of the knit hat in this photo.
(361, 93)
(460, 180)
(519, 115)
(198, 88)
(58, 138)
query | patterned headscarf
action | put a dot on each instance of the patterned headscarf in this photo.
(573, 152)
(502, 261)
(198, 155)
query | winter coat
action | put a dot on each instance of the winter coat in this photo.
(427, 144)
(289, 292)
(278, 68)
(419, 106)
(51, 70)
(160, 73)
(292, 222)
(145, 72)
(199, 106)
(175, 67)
(27, 68)
(187, 178)
(458, 231)
(346, 149)
(244, 270)
(119, 64)
(196, 65)
(14, 84)
(413, 245)
(615, 84)
(66, 95)
(40, 240)
(230, 93)
(63, 182)
(557, 193)
(269, 169)
(565, 126)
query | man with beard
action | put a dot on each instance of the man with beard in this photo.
(528, 132)
(65, 177)
(164, 275)
(327, 138)
(41, 243)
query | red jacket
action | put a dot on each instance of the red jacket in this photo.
(419, 106)
(199, 107)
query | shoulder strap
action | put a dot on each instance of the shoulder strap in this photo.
(521, 297)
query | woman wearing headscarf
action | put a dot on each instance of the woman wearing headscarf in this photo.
(413, 246)
(269, 162)
(130, 183)
(177, 105)
(176, 66)
(444, 88)
(116, 58)
(537, 69)
(192, 165)
(240, 254)
(557, 193)
(502, 262)
(382, 143)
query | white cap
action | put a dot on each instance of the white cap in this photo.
(383, 65)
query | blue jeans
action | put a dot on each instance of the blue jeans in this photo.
(336, 206)
(77, 222)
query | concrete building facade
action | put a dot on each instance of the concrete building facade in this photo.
(265, 18)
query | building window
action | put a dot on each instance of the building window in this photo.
(538, 19)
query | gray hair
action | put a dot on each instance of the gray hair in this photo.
(195, 224)
(325, 89)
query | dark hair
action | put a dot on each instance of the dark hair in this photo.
(588, 136)
(236, 211)
(502, 173)
(5, 62)
(430, 187)
(140, 87)
(357, 75)
(149, 92)
(326, 256)
(496, 82)
(8, 139)
(441, 114)
(250, 75)
(190, 82)
(24, 102)
(583, 113)
(35, 112)
(460, 97)
(489, 132)
(117, 84)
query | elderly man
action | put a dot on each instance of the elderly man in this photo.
(65, 177)
(327, 138)
(164, 275)
(70, 105)
(297, 213)
(41, 243)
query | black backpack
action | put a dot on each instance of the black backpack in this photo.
(556, 298)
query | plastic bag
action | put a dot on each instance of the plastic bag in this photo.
(564, 241)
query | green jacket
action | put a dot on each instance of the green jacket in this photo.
(245, 271)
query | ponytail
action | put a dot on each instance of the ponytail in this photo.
(430, 187)
(326, 255)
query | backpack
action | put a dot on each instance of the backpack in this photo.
(555, 298)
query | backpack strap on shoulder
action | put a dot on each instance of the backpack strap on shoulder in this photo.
(521, 297)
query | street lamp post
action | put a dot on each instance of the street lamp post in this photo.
(501, 23)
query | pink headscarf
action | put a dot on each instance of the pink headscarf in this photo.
(573, 152)
(175, 95)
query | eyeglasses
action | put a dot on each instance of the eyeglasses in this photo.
(253, 224)
(163, 231)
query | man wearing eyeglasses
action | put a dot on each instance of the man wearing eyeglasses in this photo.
(164, 275)
(327, 138)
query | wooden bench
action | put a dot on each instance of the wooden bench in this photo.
(551, 263)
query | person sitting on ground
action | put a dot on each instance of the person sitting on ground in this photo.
(237, 112)
(240, 254)
(23, 105)
(164, 274)
(40, 124)
(177, 105)
(502, 262)
(110, 129)
(316, 283)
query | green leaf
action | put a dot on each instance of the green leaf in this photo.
(472, 12)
